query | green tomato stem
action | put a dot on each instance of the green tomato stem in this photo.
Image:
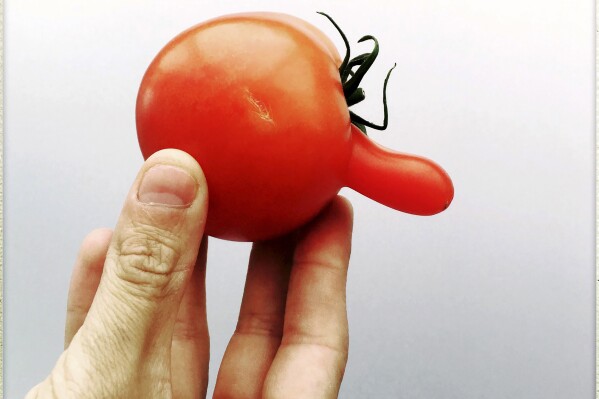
(351, 79)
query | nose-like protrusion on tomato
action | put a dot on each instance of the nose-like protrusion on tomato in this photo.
(400, 181)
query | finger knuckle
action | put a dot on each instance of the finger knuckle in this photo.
(148, 258)
(185, 330)
(337, 344)
(269, 324)
(331, 265)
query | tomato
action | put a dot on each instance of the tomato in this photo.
(257, 99)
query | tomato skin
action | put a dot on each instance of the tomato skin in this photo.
(401, 181)
(257, 100)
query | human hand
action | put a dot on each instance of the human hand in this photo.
(136, 314)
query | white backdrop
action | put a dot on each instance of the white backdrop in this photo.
(493, 298)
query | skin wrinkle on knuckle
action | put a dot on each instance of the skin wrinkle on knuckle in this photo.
(184, 331)
(335, 335)
(144, 285)
(336, 345)
(148, 257)
(76, 308)
(332, 265)
(261, 324)
(330, 277)
(172, 217)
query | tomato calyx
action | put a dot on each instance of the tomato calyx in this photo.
(351, 78)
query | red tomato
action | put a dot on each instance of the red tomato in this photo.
(257, 99)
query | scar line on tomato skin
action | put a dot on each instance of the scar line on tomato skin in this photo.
(259, 106)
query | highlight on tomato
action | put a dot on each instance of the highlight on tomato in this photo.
(261, 101)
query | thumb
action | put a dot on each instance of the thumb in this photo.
(149, 261)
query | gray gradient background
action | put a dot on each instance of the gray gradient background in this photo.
(494, 298)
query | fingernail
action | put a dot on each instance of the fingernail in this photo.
(168, 186)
